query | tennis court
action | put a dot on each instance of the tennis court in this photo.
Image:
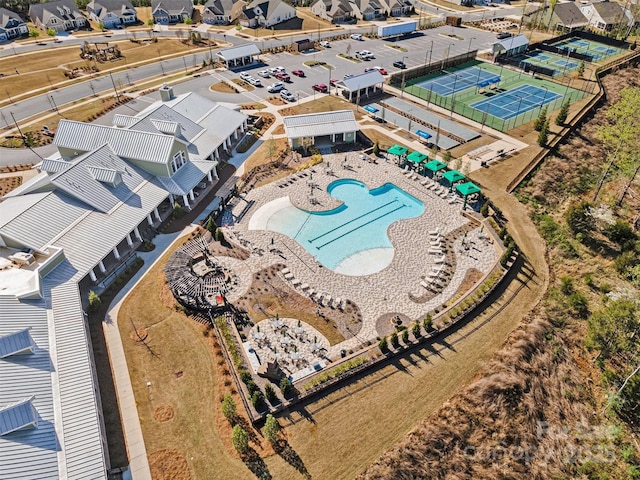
(515, 102)
(598, 51)
(457, 81)
(549, 60)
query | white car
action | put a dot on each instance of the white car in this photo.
(325, 44)
(275, 87)
(254, 81)
(287, 95)
(264, 73)
(362, 56)
(368, 54)
(356, 36)
(245, 76)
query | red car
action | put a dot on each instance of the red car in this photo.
(283, 77)
(333, 82)
(298, 73)
(320, 87)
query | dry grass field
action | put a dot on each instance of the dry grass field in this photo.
(325, 103)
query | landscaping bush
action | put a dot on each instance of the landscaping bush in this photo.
(394, 340)
(257, 400)
(228, 407)
(384, 345)
(270, 394)
(405, 337)
(94, 301)
(286, 387)
(416, 330)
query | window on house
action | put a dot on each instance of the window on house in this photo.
(177, 162)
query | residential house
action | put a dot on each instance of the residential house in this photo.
(261, 13)
(61, 16)
(112, 13)
(565, 17)
(68, 230)
(334, 11)
(341, 11)
(218, 12)
(11, 25)
(171, 11)
(606, 16)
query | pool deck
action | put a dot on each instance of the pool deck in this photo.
(394, 290)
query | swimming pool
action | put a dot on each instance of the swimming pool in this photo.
(351, 239)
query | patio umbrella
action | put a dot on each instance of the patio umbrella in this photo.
(466, 189)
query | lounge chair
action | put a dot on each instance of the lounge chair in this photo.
(435, 251)
(435, 232)
(284, 271)
(440, 260)
(426, 284)
(288, 276)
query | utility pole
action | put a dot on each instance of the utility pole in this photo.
(114, 87)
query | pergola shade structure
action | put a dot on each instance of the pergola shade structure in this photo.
(435, 166)
(453, 176)
(466, 189)
(398, 151)
(417, 157)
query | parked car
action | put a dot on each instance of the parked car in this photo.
(399, 64)
(245, 75)
(362, 56)
(264, 73)
(356, 36)
(298, 73)
(254, 81)
(348, 75)
(320, 87)
(272, 70)
(502, 35)
(275, 87)
(381, 70)
(368, 54)
(333, 82)
(283, 77)
(287, 95)
(325, 44)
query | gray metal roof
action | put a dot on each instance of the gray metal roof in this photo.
(318, 124)
(44, 220)
(134, 144)
(219, 124)
(53, 165)
(80, 179)
(514, 42)
(432, 119)
(362, 81)
(158, 120)
(30, 453)
(189, 175)
(17, 416)
(120, 120)
(239, 52)
(192, 106)
(105, 175)
(16, 343)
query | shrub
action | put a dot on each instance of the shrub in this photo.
(94, 301)
(252, 387)
(625, 261)
(428, 322)
(376, 149)
(286, 387)
(240, 439)
(271, 428)
(383, 345)
(394, 340)
(245, 376)
(219, 235)
(619, 232)
(270, 393)
(484, 210)
(579, 219)
(566, 285)
(405, 337)
(228, 407)
(579, 304)
(257, 400)
(416, 330)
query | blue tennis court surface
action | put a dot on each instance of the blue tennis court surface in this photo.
(514, 102)
(566, 64)
(597, 50)
(451, 83)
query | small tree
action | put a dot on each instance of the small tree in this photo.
(581, 68)
(219, 235)
(539, 122)
(376, 149)
(428, 323)
(240, 439)
(446, 156)
(51, 32)
(394, 340)
(563, 114)
(383, 345)
(211, 226)
(188, 21)
(286, 387)
(484, 210)
(257, 400)
(416, 330)
(150, 22)
(543, 136)
(94, 301)
(33, 33)
(270, 393)
(271, 428)
(405, 336)
(228, 407)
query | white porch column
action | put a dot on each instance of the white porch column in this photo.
(156, 213)
(92, 276)
(129, 240)
(186, 201)
(137, 232)
(150, 219)
(172, 200)
(235, 134)
(116, 253)
(101, 266)
(191, 196)
(209, 176)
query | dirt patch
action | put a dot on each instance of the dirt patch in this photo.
(9, 183)
(276, 101)
(222, 87)
(163, 413)
(470, 279)
(278, 130)
(169, 464)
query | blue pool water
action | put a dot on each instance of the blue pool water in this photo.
(346, 238)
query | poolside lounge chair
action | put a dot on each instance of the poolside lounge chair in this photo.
(288, 276)
(426, 284)
(284, 271)
(405, 170)
(435, 232)
(295, 282)
(435, 251)
(424, 182)
(304, 286)
(440, 260)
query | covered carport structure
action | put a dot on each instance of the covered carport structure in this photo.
(363, 85)
(239, 56)
(312, 128)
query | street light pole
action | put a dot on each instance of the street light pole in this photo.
(114, 86)
(54, 105)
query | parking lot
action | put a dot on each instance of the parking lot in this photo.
(429, 45)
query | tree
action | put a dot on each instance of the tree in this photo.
(611, 330)
(428, 323)
(394, 340)
(94, 301)
(271, 148)
(581, 68)
(219, 235)
(446, 157)
(150, 22)
(563, 114)
(416, 330)
(286, 387)
(347, 52)
(51, 32)
(619, 232)
(228, 408)
(270, 393)
(579, 218)
(539, 122)
(405, 336)
(376, 149)
(240, 439)
(543, 136)
(271, 428)
(383, 345)
(33, 33)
